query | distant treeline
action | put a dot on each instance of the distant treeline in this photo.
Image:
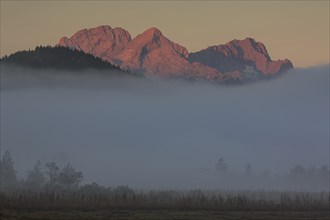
(57, 58)
(49, 187)
(52, 179)
(298, 177)
(49, 176)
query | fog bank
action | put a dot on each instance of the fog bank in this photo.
(149, 133)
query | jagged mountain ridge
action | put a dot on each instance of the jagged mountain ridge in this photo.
(151, 53)
(236, 55)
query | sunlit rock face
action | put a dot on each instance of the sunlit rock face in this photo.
(152, 54)
(102, 41)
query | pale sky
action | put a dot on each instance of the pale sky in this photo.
(298, 30)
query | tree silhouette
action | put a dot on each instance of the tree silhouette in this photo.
(69, 177)
(248, 169)
(8, 177)
(298, 170)
(52, 172)
(35, 178)
(221, 166)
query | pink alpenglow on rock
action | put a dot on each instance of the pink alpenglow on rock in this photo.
(152, 54)
(102, 41)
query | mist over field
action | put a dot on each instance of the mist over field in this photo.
(151, 133)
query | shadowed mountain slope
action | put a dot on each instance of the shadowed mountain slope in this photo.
(241, 55)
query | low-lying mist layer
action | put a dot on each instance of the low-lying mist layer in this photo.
(149, 133)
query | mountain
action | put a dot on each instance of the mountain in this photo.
(149, 53)
(102, 41)
(246, 56)
(57, 58)
(152, 54)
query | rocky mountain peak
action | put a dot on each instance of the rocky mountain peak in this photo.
(152, 32)
(102, 41)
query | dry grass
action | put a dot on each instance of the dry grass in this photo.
(161, 215)
(126, 198)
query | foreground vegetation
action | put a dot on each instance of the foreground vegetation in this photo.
(162, 215)
(93, 197)
(96, 202)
